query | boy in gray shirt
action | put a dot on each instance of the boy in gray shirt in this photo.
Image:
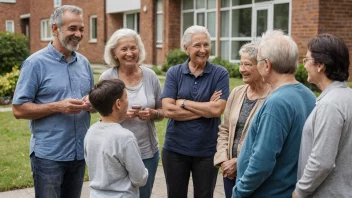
(111, 152)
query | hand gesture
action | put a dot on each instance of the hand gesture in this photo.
(216, 96)
(72, 106)
(146, 114)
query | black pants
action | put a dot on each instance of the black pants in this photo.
(177, 169)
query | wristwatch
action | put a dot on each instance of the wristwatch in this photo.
(183, 104)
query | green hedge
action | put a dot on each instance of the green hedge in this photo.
(8, 82)
(175, 57)
(301, 75)
(13, 51)
(232, 68)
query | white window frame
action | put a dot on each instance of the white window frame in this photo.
(255, 6)
(135, 13)
(195, 12)
(7, 1)
(10, 28)
(159, 43)
(57, 3)
(44, 35)
(91, 39)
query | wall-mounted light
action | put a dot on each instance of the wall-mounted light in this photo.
(145, 9)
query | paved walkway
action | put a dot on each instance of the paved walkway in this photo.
(159, 190)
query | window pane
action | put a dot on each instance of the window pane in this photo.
(200, 4)
(225, 18)
(262, 21)
(236, 46)
(159, 6)
(211, 4)
(201, 19)
(242, 22)
(48, 29)
(42, 29)
(241, 2)
(130, 21)
(258, 1)
(94, 28)
(224, 45)
(225, 3)
(187, 20)
(213, 48)
(137, 30)
(211, 23)
(281, 15)
(187, 4)
(159, 31)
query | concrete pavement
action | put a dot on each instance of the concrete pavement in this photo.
(159, 189)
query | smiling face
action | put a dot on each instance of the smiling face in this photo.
(248, 69)
(127, 52)
(311, 67)
(198, 49)
(71, 31)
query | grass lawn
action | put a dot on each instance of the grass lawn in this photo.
(15, 170)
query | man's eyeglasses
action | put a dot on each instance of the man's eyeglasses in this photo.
(246, 65)
(264, 59)
(305, 60)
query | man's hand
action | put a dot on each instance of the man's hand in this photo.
(229, 168)
(294, 195)
(89, 105)
(72, 106)
(216, 96)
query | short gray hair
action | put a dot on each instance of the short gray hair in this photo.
(113, 42)
(280, 50)
(251, 49)
(187, 35)
(58, 16)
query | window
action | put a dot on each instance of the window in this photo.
(57, 3)
(159, 23)
(131, 21)
(243, 21)
(201, 12)
(10, 26)
(45, 30)
(7, 1)
(93, 28)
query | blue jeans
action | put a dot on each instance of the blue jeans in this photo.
(177, 170)
(57, 179)
(228, 186)
(151, 164)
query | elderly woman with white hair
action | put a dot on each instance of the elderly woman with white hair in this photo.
(124, 52)
(243, 103)
(193, 99)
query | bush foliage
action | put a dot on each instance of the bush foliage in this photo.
(301, 75)
(232, 68)
(13, 51)
(175, 57)
(8, 82)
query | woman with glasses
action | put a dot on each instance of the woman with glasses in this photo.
(324, 166)
(243, 102)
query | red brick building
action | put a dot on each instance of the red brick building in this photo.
(161, 23)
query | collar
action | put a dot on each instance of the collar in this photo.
(58, 56)
(207, 69)
(335, 84)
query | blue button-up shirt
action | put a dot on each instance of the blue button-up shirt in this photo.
(47, 77)
(196, 137)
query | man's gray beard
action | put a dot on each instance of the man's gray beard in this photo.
(66, 45)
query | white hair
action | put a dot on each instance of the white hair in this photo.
(58, 16)
(187, 35)
(114, 42)
(251, 49)
(280, 50)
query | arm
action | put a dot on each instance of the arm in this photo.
(32, 111)
(137, 172)
(204, 109)
(327, 129)
(267, 145)
(171, 110)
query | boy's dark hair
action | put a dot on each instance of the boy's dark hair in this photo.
(104, 94)
(331, 51)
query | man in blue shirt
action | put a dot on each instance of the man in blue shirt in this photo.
(51, 93)
(267, 164)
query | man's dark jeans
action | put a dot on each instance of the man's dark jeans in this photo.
(56, 179)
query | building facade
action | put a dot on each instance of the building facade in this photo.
(160, 23)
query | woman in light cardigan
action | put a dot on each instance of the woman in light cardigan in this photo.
(243, 102)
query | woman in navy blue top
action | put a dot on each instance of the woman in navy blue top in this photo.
(193, 99)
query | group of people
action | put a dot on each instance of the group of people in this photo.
(275, 139)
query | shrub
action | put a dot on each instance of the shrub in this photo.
(13, 51)
(175, 57)
(8, 82)
(156, 70)
(232, 68)
(301, 75)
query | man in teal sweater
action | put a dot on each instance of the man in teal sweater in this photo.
(267, 164)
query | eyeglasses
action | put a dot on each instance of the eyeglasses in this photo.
(246, 65)
(305, 60)
(264, 59)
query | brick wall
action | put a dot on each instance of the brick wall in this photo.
(147, 30)
(113, 22)
(13, 11)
